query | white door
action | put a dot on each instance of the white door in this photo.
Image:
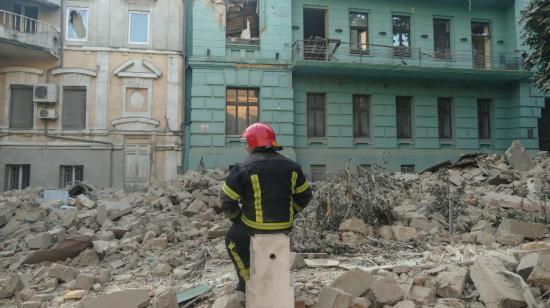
(136, 166)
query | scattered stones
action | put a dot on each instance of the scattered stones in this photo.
(403, 234)
(540, 276)
(162, 270)
(112, 210)
(39, 241)
(124, 298)
(354, 282)
(451, 284)
(526, 265)
(528, 230)
(230, 301)
(73, 294)
(495, 289)
(9, 287)
(61, 272)
(333, 297)
(166, 299)
(518, 157)
(357, 226)
(421, 295)
(386, 291)
(85, 281)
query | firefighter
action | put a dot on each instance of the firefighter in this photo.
(271, 190)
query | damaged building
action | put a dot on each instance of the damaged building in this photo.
(402, 85)
(90, 91)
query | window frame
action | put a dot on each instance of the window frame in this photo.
(487, 114)
(63, 104)
(323, 175)
(67, 23)
(148, 14)
(73, 172)
(235, 40)
(397, 121)
(352, 28)
(355, 109)
(324, 109)
(448, 55)
(21, 176)
(448, 100)
(236, 104)
(408, 168)
(11, 107)
(399, 50)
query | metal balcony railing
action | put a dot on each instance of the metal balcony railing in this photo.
(331, 50)
(29, 31)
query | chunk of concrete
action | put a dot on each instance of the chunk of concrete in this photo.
(125, 298)
(361, 302)
(526, 265)
(518, 158)
(39, 241)
(85, 201)
(509, 239)
(162, 270)
(451, 284)
(297, 261)
(356, 225)
(540, 276)
(403, 234)
(85, 281)
(332, 298)
(158, 243)
(61, 272)
(405, 304)
(9, 287)
(495, 289)
(196, 207)
(74, 294)
(421, 295)
(386, 291)
(270, 282)
(229, 301)
(355, 282)
(30, 304)
(528, 230)
(484, 238)
(112, 210)
(167, 299)
(386, 233)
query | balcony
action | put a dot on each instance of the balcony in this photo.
(333, 57)
(22, 37)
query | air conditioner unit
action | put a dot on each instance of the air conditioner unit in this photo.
(44, 93)
(47, 114)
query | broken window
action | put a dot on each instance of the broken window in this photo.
(359, 32)
(408, 169)
(444, 114)
(401, 36)
(481, 45)
(77, 24)
(484, 118)
(242, 109)
(242, 20)
(74, 108)
(361, 116)
(318, 173)
(404, 117)
(316, 115)
(139, 28)
(71, 175)
(17, 177)
(442, 39)
(21, 107)
(315, 38)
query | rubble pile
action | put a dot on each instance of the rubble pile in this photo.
(470, 233)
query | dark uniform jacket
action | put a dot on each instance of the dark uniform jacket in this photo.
(271, 189)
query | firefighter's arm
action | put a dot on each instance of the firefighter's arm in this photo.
(230, 194)
(302, 193)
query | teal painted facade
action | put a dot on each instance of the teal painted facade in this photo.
(284, 77)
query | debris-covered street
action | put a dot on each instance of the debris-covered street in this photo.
(368, 239)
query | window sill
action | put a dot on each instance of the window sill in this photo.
(405, 141)
(358, 54)
(447, 142)
(362, 141)
(317, 140)
(243, 44)
(232, 138)
(486, 142)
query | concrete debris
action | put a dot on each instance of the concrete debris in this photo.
(406, 241)
(494, 287)
(518, 157)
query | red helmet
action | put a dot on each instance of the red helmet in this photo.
(260, 135)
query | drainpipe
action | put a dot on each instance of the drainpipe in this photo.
(188, 7)
(61, 43)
